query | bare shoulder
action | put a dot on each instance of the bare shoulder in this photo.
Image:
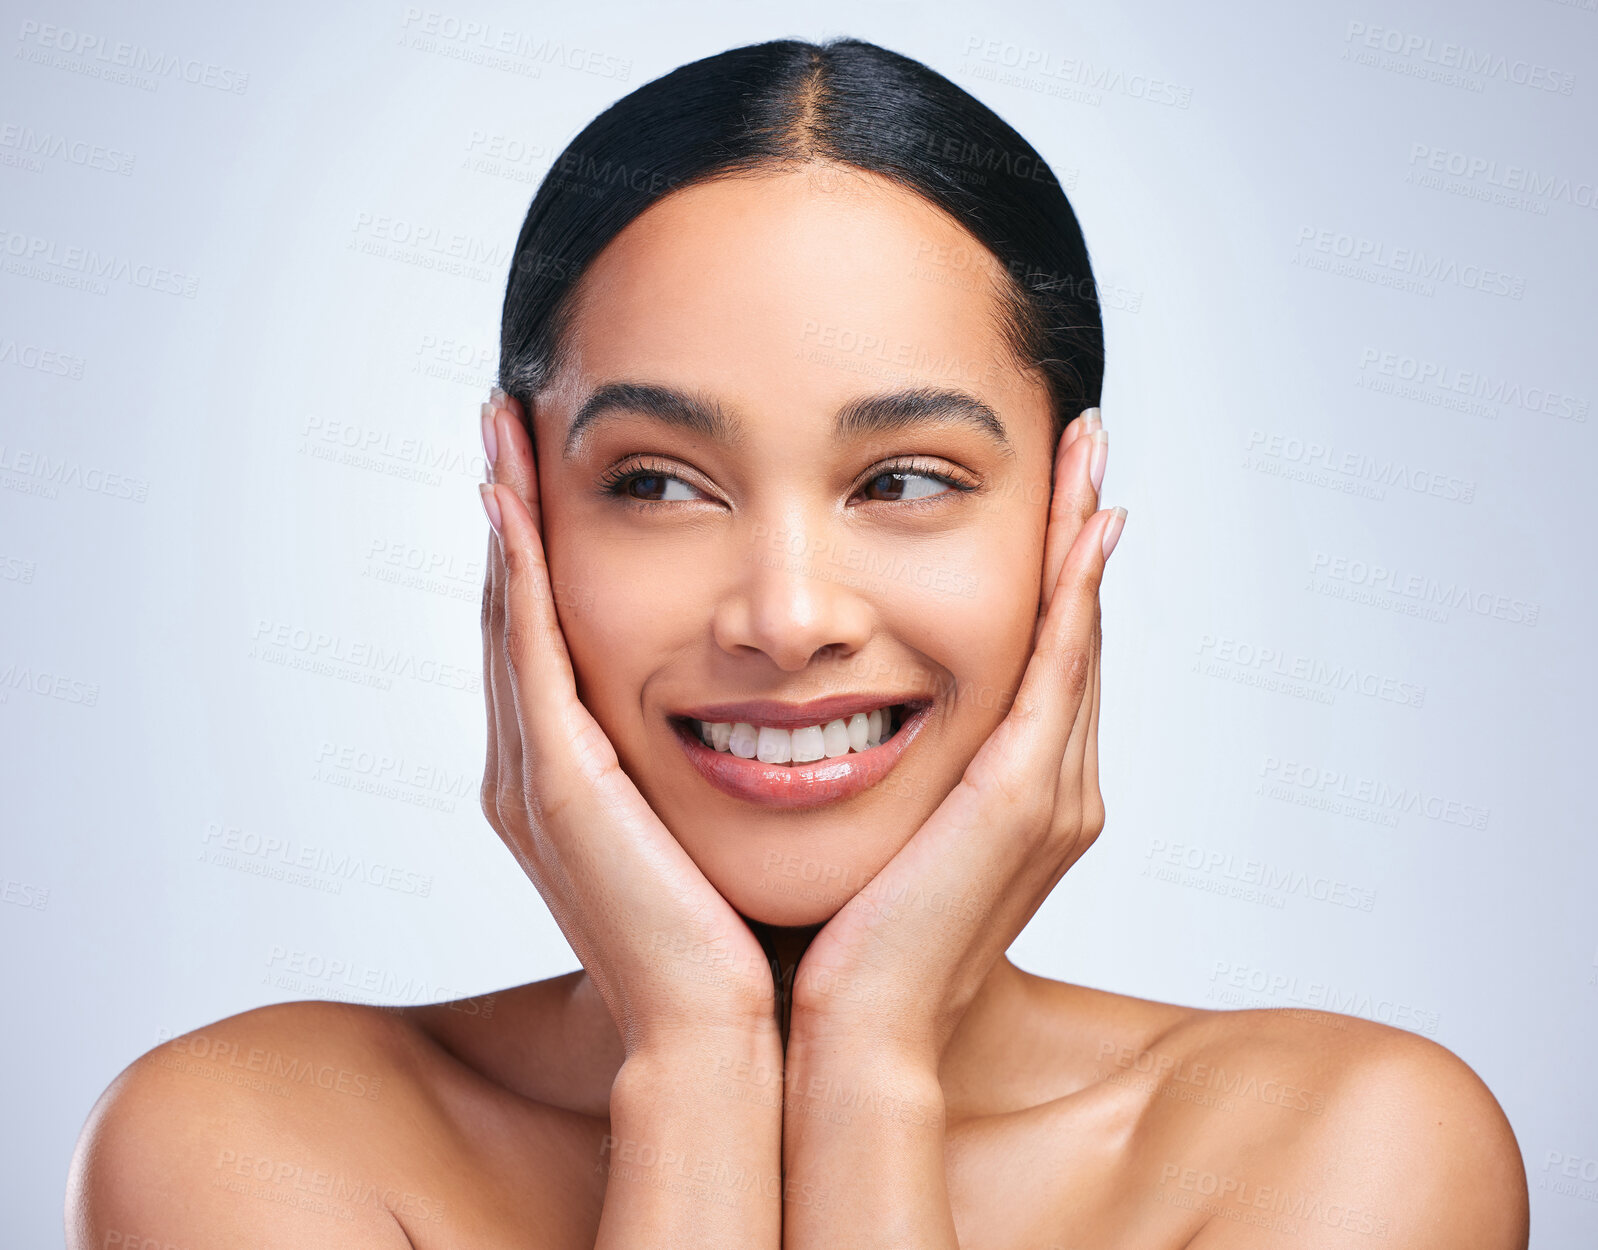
(1317, 1129)
(317, 1123)
(191, 1130)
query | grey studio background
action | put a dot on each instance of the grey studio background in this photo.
(252, 271)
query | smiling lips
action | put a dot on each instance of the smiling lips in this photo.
(786, 755)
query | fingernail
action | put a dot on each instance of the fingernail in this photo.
(1112, 530)
(490, 440)
(1097, 457)
(490, 505)
(1092, 419)
(497, 394)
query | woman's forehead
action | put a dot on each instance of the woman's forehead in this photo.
(782, 261)
(845, 275)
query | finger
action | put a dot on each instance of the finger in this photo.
(1073, 499)
(491, 648)
(538, 664)
(1092, 798)
(1076, 746)
(1078, 796)
(510, 747)
(516, 465)
(1055, 683)
(1084, 422)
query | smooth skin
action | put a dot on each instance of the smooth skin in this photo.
(897, 1082)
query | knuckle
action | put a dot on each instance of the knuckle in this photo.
(493, 609)
(1025, 804)
(1076, 666)
(515, 647)
(507, 806)
(488, 799)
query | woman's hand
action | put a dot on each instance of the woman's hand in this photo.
(670, 957)
(895, 969)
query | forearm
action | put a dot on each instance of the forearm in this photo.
(690, 1163)
(863, 1141)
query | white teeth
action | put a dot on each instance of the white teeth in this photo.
(775, 746)
(809, 744)
(742, 740)
(859, 732)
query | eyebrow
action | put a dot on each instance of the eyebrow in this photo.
(869, 414)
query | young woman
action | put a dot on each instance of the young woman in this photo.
(791, 647)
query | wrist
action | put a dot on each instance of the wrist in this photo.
(837, 1039)
(695, 1059)
(831, 1086)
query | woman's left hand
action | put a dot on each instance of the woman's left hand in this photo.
(895, 969)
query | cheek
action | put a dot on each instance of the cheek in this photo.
(615, 619)
(969, 605)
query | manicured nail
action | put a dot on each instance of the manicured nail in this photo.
(1097, 457)
(1112, 530)
(490, 440)
(497, 394)
(1092, 419)
(490, 506)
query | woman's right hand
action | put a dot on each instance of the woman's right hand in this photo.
(667, 953)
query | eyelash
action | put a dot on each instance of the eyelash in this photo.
(912, 467)
(615, 480)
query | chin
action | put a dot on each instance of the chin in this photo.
(802, 870)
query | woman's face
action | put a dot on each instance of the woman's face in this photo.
(786, 485)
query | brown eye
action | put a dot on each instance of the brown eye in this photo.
(648, 486)
(896, 486)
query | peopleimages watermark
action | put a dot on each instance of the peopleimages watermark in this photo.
(1484, 178)
(46, 360)
(382, 450)
(823, 559)
(1423, 589)
(32, 147)
(1267, 665)
(297, 1185)
(1574, 1176)
(1272, 879)
(338, 866)
(348, 981)
(1243, 985)
(225, 1057)
(87, 268)
(40, 473)
(1076, 72)
(1168, 1070)
(131, 64)
(47, 685)
(1337, 791)
(1353, 472)
(1238, 1199)
(499, 47)
(1404, 268)
(325, 653)
(1444, 61)
(1471, 391)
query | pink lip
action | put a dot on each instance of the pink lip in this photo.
(797, 785)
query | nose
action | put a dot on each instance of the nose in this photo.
(791, 599)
